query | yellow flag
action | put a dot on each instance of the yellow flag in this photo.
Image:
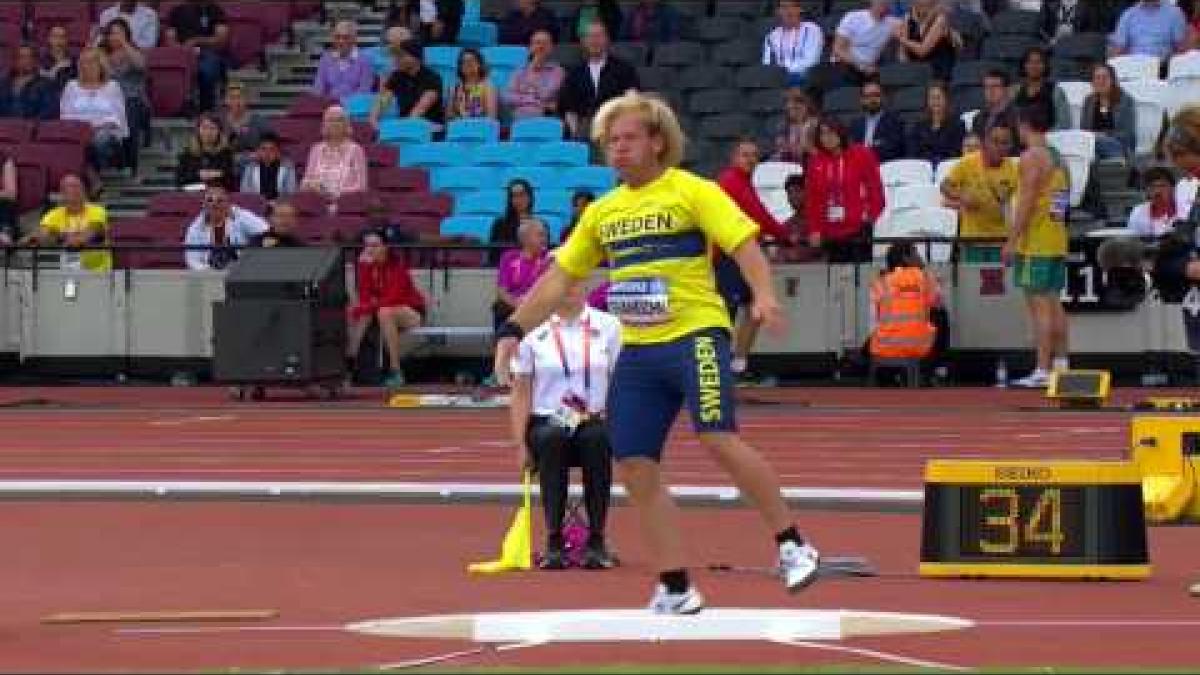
(516, 551)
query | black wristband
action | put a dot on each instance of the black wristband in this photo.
(508, 329)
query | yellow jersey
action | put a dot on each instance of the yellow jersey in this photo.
(1046, 236)
(658, 242)
(94, 219)
(992, 187)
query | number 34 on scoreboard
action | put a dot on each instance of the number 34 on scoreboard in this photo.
(1081, 520)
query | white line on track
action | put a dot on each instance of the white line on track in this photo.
(195, 419)
(886, 657)
(450, 656)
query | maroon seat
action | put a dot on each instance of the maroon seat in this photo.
(304, 9)
(31, 184)
(15, 130)
(310, 204)
(297, 129)
(250, 201)
(12, 13)
(75, 16)
(179, 204)
(381, 156)
(422, 204)
(309, 105)
(399, 179)
(420, 225)
(171, 73)
(247, 37)
(343, 229)
(354, 203)
(58, 159)
(166, 231)
(363, 133)
(10, 39)
(312, 229)
(66, 132)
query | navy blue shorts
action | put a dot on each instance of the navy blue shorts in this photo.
(732, 285)
(652, 382)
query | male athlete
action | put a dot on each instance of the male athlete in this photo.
(657, 230)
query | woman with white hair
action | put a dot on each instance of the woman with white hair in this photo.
(99, 101)
(519, 268)
(337, 164)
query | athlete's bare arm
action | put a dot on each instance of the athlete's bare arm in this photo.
(757, 272)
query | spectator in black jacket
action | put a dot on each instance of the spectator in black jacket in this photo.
(526, 19)
(439, 26)
(25, 93)
(590, 84)
(938, 135)
(282, 233)
(878, 129)
(208, 157)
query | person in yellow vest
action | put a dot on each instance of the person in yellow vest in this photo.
(77, 223)
(1037, 244)
(979, 188)
(903, 300)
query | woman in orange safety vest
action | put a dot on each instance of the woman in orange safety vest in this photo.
(903, 298)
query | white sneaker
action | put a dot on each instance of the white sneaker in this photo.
(798, 565)
(687, 602)
(1038, 379)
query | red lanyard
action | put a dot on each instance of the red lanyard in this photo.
(587, 353)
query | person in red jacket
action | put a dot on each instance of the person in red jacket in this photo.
(737, 182)
(845, 194)
(385, 292)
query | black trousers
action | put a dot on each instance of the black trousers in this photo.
(555, 451)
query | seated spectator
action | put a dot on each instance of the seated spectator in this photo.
(474, 95)
(971, 143)
(386, 293)
(221, 227)
(1157, 215)
(1150, 27)
(861, 37)
(579, 202)
(338, 164)
(281, 233)
(794, 135)
(1037, 90)
(938, 136)
(526, 18)
(416, 89)
(533, 90)
(141, 19)
(9, 230)
(25, 93)
(796, 225)
(447, 22)
(651, 22)
(201, 25)
(908, 317)
(980, 187)
(1060, 18)
(878, 129)
(245, 128)
(520, 268)
(606, 12)
(925, 37)
(77, 223)
(844, 195)
(997, 109)
(99, 101)
(795, 44)
(269, 173)
(383, 55)
(1111, 114)
(58, 64)
(436, 22)
(343, 69)
(128, 66)
(518, 208)
(590, 84)
(207, 159)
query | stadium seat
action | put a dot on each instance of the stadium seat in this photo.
(943, 170)
(473, 130)
(509, 57)
(299, 130)
(634, 53)
(554, 224)
(540, 177)
(31, 184)
(478, 34)
(423, 204)
(1076, 93)
(182, 204)
(843, 100)
(915, 196)
(678, 54)
(363, 132)
(15, 130)
(344, 228)
(1008, 48)
(769, 180)
(1152, 98)
(908, 99)
(429, 155)
(499, 154)
(58, 159)
(738, 53)
(399, 179)
(310, 204)
(480, 203)
(459, 179)
(537, 129)
(250, 201)
(715, 101)
(904, 74)
(556, 202)
(380, 156)
(564, 154)
(247, 33)
(597, 179)
(764, 102)
(73, 15)
(358, 106)
(67, 132)
(702, 77)
(1016, 22)
(1183, 73)
(1082, 47)
(900, 172)
(354, 203)
(1133, 67)
(718, 29)
(919, 223)
(442, 56)
(654, 78)
(1078, 149)
(761, 77)
(726, 127)
(309, 105)
(477, 227)
(405, 130)
(170, 73)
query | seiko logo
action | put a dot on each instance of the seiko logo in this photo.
(1023, 473)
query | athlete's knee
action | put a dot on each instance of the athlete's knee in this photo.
(640, 475)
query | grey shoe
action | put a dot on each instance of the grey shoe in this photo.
(798, 564)
(687, 602)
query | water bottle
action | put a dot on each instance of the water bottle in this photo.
(1001, 374)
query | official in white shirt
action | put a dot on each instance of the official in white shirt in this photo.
(794, 44)
(560, 389)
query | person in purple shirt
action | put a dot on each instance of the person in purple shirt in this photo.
(1150, 27)
(520, 267)
(343, 70)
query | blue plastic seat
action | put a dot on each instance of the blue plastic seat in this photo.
(439, 57)
(479, 227)
(498, 154)
(510, 57)
(557, 202)
(434, 155)
(480, 203)
(478, 34)
(537, 129)
(598, 179)
(554, 225)
(358, 106)
(405, 130)
(458, 180)
(562, 154)
(473, 130)
(540, 177)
